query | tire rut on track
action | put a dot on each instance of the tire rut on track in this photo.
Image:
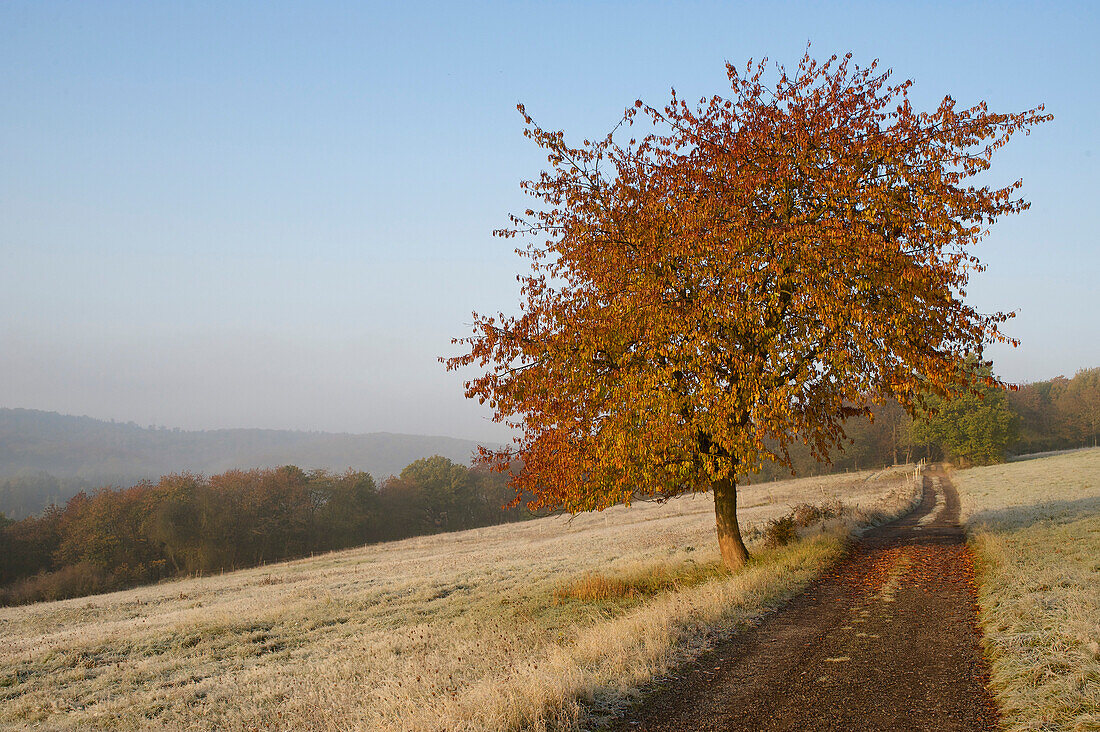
(886, 640)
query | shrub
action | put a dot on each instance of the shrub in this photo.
(808, 514)
(780, 531)
(75, 580)
(784, 530)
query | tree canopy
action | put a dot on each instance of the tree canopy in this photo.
(748, 273)
(974, 427)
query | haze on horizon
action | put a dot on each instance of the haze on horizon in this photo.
(278, 216)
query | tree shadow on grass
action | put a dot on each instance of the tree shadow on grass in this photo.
(1046, 454)
(1049, 512)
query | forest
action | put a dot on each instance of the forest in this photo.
(187, 524)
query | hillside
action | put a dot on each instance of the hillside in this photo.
(81, 447)
(46, 457)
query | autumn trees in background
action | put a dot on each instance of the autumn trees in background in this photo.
(188, 524)
(28, 492)
(1053, 414)
(47, 457)
(736, 278)
(1059, 413)
(974, 427)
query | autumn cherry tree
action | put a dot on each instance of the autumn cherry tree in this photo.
(711, 282)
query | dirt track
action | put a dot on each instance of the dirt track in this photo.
(886, 641)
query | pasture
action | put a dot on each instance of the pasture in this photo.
(545, 624)
(1035, 528)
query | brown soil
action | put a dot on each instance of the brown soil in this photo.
(887, 640)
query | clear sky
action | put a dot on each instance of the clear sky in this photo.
(233, 214)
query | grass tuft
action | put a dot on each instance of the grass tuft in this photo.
(637, 584)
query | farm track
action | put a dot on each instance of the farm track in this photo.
(887, 640)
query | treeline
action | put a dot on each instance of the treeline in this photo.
(189, 524)
(1056, 414)
(885, 440)
(46, 458)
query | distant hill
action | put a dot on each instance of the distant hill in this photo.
(81, 451)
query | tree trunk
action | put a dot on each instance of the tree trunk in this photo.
(734, 553)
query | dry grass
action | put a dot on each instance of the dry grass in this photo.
(546, 624)
(638, 584)
(1036, 531)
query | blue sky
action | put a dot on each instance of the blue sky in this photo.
(277, 214)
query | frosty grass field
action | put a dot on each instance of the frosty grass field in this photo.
(1035, 527)
(548, 624)
(544, 624)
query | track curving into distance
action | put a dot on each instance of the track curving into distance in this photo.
(886, 640)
